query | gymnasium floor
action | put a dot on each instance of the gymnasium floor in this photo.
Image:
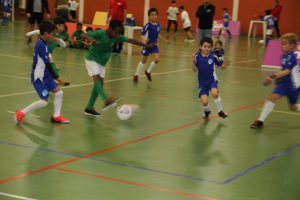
(164, 152)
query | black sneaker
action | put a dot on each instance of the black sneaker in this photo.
(223, 114)
(91, 112)
(148, 76)
(257, 124)
(110, 103)
(206, 115)
(29, 41)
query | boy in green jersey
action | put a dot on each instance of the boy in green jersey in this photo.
(97, 57)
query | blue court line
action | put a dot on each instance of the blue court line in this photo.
(111, 162)
(262, 163)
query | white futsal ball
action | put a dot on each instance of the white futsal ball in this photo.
(126, 111)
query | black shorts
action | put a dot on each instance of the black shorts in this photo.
(187, 29)
(73, 14)
(35, 17)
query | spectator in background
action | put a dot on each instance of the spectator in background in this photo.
(276, 14)
(205, 14)
(117, 10)
(62, 9)
(73, 6)
(172, 16)
(35, 10)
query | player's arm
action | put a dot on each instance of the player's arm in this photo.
(194, 61)
(164, 39)
(60, 42)
(139, 43)
(45, 57)
(219, 62)
(276, 76)
(89, 39)
(33, 33)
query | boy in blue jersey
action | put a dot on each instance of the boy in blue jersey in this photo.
(270, 20)
(42, 77)
(150, 34)
(226, 19)
(204, 62)
(287, 80)
(6, 11)
(218, 50)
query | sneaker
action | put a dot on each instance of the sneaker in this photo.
(60, 120)
(148, 76)
(19, 116)
(257, 124)
(110, 103)
(135, 78)
(29, 41)
(91, 112)
(223, 114)
(206, 115)
(62, 83)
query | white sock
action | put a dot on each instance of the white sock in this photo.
(218, 103)
(34, 106)
(206, 108)
(266, 110)
(139, 69)
(298, 108)
(151, 67)
(57, 103)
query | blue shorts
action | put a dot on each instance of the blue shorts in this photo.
(226, 25)
(7, 9)
(146, 52)
(204, 90)
(44, 87)
(291, 94)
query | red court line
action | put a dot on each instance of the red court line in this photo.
(20, 176)
(151, 187)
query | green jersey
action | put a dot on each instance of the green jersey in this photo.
(51, 46)
(64, 36)
(101, 51)
(77, 34)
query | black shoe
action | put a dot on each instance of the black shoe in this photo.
(223, 114)
(110, 103)
(91, 112)
(148, 75)
(206, 115)
(29, 41)
(257, 124)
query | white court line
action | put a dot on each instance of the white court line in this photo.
(283, 112)
(18, 77)
(11, 112)
(15, 196)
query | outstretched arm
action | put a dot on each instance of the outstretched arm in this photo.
(89, 39)
(139, 43)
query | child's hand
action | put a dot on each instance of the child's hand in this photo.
(225, 65)
(267, 81)
(151, 46)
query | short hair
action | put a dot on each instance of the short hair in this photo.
(59, 20)
(206, 39)
(79, 24)
(173, 1)
(225, 9)
(114, 24)
(291, 38)
(46, 27)
(89, 29)
(151, 10)
(219, 42)
(181, 7)
(268, 12)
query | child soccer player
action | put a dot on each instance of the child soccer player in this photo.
(77, 41)
(270, 25)
(186, 22)
(205, 61)
(6, 12)
(218, 50)
(42, 78)
(97, 57)
(61, 31)
(150, 34)
(226, 18)
(287, 80)
(172, 16)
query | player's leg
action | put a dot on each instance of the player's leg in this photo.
(217, 99)
(203, 94)
(228, 32)
(141, 65)
(31, 22)
(58, 96)
(153, 64)
(267, 109)
(176, 26)
(220, 32)
(293, 99)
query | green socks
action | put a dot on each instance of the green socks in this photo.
(97, 90)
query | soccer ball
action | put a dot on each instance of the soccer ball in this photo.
(126, 111)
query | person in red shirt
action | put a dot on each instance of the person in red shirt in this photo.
(276, 14)
(117, 10)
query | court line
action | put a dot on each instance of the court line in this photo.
(284, 112)
(262, 163)
(20, 176)
(17, 77)
(111, 162)
(11, 112)
(151, 187)
(16, 196)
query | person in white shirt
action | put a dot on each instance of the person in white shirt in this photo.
(73, 5)
(186, 23)
(172, 16)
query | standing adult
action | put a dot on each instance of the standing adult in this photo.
(205, 15)
(62, 9)
(117, 10)
(35, 10)
(73, 6)
(276, 14)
